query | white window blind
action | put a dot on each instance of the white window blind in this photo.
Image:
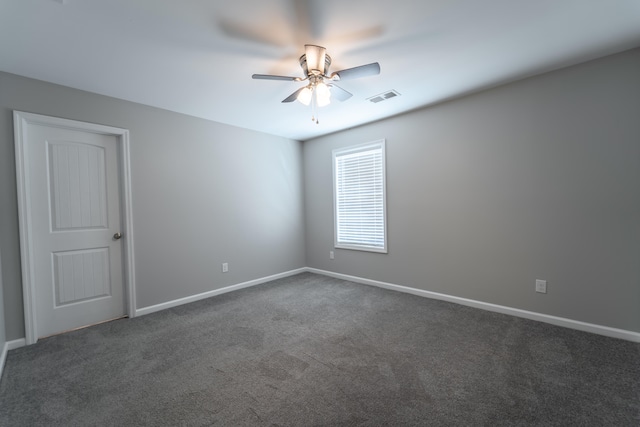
(359, 197)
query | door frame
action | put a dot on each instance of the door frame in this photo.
(21, 121)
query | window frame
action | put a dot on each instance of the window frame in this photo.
(353, 149)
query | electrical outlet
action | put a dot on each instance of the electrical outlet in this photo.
(541, 286)
(225, 267)
(331, 256)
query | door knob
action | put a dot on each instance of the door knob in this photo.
(117, 236)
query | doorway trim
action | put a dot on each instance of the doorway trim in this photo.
(21, 121)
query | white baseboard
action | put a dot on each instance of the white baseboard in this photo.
(198, 297)
(558, 321)
(10, 345)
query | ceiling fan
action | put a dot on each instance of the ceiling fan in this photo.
(321, 87)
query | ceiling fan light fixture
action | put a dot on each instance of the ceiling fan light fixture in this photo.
(305, 96)
(323, 94)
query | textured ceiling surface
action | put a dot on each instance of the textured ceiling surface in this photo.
(197, 57)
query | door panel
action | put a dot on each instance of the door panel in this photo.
(81, 275)
(78, 185)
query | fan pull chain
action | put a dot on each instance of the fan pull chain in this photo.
(313, 106)
(317, 107)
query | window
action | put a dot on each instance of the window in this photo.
(359, 190)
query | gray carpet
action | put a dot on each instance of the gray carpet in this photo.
(312, 350)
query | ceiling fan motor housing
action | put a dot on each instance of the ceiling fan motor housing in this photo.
(313, 58)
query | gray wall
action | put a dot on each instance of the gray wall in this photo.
(535, 179)
(538, 179)
(203, 193)
(3, 339)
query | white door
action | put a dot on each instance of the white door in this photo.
(73, 193)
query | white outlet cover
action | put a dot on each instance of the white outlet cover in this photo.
(541, 286)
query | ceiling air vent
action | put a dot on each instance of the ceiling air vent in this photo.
(383, 96)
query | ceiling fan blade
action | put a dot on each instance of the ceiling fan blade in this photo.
(272, 77)
(357, 72)
(264, 36)
(293, 96)
(307, 24)
(338, 93)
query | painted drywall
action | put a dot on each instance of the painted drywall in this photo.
(537, 179)
(204, 193)
(3, 338)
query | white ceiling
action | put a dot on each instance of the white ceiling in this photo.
(196, 57)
